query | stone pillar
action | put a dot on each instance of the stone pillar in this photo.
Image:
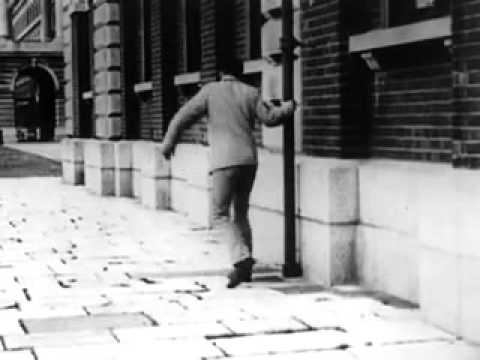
(58, 19)
(123, 168)
(4, 19)
(329, 213)
(100, 167)
(73, 161)
(138, 151)
(107, 63)
(155, 178)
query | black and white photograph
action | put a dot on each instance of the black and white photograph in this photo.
(240, 179)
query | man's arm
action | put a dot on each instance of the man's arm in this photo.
(190, 112)
(273, 115)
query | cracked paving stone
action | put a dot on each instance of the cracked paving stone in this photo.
(282, 343)
(78, 323)
(177, 349)
(16, 355)
(162, 332)
(419, 351)
(258, 326)
(58, 339)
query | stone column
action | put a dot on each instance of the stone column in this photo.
(107, 63)
(4, 19)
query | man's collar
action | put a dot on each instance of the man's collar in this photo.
(228, 78)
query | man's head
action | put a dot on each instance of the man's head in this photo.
(232, 67)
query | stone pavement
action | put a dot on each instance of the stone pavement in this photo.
(104, 279)
(48, 150)
(14, 162)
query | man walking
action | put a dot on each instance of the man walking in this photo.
(231, 108)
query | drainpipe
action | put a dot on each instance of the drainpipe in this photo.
(291, 267)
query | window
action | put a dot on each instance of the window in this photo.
(192, 35)
(51, 19)
(254, 29)
(402, 12)
(144, 70)
(82, 63)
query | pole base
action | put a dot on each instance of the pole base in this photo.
(292, 270)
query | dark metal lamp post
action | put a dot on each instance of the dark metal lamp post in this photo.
(291, 267)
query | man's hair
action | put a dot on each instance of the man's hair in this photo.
(232, 67)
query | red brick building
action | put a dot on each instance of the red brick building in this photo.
(387, 132)
(31, 70)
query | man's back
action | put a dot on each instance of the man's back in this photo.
(231, 120)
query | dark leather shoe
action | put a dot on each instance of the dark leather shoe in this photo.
(242, 272)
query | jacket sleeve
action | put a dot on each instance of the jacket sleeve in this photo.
(270, 114)
(189, 113)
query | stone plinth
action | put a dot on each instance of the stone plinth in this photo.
(191, 188)
(73, 161)
(123, 168)
(100, 167)
(155, 177)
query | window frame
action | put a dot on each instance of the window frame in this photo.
(254, 29)
(386, 7)
(192, 35)
(144, 63)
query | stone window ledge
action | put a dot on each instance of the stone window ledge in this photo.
(143, 87)
(87, 95)
(253, 66)
(187, 79)
(400, 35)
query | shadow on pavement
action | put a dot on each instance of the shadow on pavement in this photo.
(14, 163)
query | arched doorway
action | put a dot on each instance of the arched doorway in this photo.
(33, 90)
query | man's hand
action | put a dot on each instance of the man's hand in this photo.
(289, 105)
(167, 150)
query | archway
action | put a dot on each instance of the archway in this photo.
(33, 90)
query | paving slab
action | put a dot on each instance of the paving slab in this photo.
(303, 355)
(42, 311)
(197, 317)
(16, 355)
(58, 340)
(282, 343)
(259, 326)
(79, 323)
(419, 351)
(381, 332)
(192, 349)
(9, 322)
(162, 332)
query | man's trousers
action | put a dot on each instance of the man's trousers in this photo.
(231, 191)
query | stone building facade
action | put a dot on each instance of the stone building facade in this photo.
(387, 131)
(31, 70)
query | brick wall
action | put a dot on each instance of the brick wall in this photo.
(466, 101)
(323, 62)
(403, 111)
(163, 101)
(240, 23)
(413, 113)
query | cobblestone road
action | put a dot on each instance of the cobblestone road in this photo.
(83, 277)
